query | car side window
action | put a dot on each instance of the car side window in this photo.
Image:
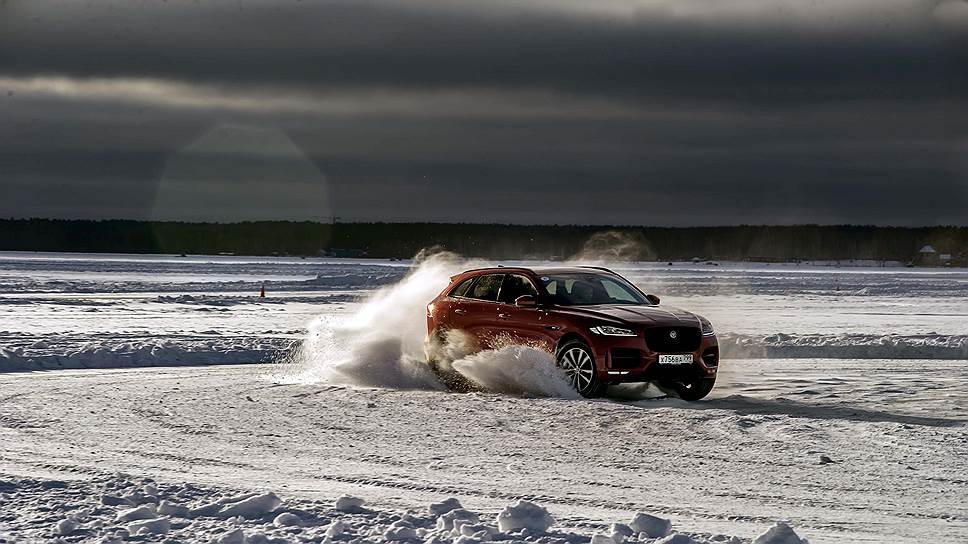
(559, 290)
(462, 287)
(515, 286)
(487, 288)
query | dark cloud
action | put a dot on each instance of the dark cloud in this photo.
(684, 112)
(858, 54)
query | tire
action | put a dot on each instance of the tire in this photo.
(690, 391)
(452, 380)
(578, 362)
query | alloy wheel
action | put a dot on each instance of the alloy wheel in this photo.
(579, 367)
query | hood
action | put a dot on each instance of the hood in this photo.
(635, 315)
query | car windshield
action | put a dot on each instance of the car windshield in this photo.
(582, 289)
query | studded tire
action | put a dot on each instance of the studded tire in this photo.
(578, 362)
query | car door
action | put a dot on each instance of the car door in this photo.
(452, 310)
(526, 325)
(481, 310)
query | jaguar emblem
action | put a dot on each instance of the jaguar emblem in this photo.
(673, 334)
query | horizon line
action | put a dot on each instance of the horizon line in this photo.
(496, 224)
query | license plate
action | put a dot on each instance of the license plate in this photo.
(683, 359)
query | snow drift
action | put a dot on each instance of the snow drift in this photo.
(79, 510)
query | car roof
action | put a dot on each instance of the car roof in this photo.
(570, 270)
(540, 271)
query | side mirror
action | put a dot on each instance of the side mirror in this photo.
(526, 301)
(653, 299)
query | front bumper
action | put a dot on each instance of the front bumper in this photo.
(628, 359)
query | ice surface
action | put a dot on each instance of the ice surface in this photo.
(349, 318)
(862, 365)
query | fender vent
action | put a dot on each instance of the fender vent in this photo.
(625, 358)
(711, 356)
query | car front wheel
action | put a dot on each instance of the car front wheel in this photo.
(578, 362)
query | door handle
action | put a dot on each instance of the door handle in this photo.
(504, 316)
(458, 311)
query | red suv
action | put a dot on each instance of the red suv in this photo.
(601, 328)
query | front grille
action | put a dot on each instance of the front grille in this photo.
(625, 358)
(659, 339)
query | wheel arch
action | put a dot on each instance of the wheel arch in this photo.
(569, 337)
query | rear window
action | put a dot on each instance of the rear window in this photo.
(462, 287)
(487, 287)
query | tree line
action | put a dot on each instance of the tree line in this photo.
(494, 241)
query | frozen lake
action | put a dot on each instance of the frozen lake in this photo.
(80, 310)
(865, 366)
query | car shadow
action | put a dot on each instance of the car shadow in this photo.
(745, 405)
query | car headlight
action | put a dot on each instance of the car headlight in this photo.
(707, 327)
(608, 330)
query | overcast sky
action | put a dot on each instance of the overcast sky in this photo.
(656, 112)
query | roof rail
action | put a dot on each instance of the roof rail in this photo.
(609, 270)
(488, 268)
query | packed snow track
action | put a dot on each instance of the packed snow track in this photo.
(872, 452)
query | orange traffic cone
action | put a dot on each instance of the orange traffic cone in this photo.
(262, 292)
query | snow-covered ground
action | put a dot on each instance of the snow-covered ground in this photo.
(894, 433)
(79, 310)
(840, 407)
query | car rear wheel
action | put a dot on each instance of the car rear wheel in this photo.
(452, 380)
(578, 362)
(690, 391)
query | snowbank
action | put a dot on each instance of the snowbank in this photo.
(145, 353)
(222, 516)
(524, 515)
(844, 346)
(379, 360)
(781, 533)
(652, 526)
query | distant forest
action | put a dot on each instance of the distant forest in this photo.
(404, 240)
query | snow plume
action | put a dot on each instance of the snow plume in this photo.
(516, 370)
(382, 345)
(614, 246)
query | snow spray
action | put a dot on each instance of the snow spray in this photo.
(382, 344)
